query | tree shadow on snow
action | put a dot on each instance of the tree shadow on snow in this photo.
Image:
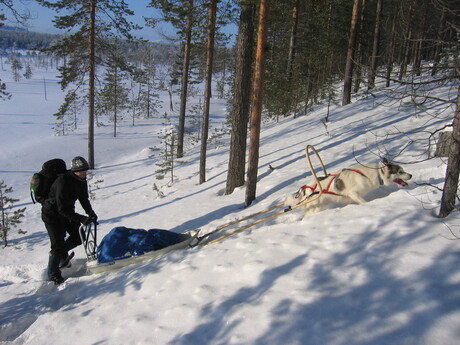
(218, 329)
(364, 296)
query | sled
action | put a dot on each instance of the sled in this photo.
(89, 237)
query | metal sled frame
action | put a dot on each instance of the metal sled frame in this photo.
(88, 235)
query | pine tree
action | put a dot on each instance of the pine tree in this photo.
(113, 98)
(134, 99)
(212, 13)
(241, 98)
(350, 54)
(4, 95)
(8, 220)
(16, 68)
(168, 156)
(148, 98)
(185, 16)
(257, 99)
(28, 72)
(449, 195)
(66, 117)
(94, 24)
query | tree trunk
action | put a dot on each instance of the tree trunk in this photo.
(391, 54)
(375, 47)
(349, 60)
(241, 98)
(358, 64)
(449, 193)
(115, 103)
(407, 42)
(184, 84)
(207, 93)
(92, 74)
(257, 96)
(293, 39)
(438, 44)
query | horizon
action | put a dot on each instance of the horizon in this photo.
(41, 21)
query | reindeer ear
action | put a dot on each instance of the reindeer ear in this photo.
(386, 161)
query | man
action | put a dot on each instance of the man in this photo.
(59, 216)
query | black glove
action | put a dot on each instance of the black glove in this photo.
(93, 216)
(88, 220)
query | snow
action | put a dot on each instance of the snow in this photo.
(375, 274)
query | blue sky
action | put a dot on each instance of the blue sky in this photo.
(42, 18)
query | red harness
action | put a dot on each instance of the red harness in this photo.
(327, 190)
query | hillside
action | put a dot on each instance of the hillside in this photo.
(375, 274)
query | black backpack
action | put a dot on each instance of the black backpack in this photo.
(41, 181)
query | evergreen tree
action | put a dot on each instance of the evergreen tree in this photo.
(168, 157)
(241, 98)
(93, 24)
(257, 101)
(186, 17)
(212, 13)
(113, 98)
(19, 17)
(16, 68)
(9, 219)
(66, 117)
(449, 195)
(28, 72)
(149, 99)
(134, 99)
(4, 95)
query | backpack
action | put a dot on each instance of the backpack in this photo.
(41, 181)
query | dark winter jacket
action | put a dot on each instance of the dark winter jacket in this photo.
(65, 191)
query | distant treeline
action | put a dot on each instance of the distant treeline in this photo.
(23, 39)
(20, 39)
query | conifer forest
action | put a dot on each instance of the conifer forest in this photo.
(283, 58)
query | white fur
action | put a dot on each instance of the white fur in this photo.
(351, 184)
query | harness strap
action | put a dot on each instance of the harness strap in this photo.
(357, 171)
(327, 190)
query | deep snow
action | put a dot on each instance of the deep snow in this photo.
(375, 274)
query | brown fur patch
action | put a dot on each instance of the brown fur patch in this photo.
(339, 184)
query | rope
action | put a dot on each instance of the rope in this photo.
(239, 220)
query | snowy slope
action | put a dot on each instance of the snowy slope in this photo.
(377, 274)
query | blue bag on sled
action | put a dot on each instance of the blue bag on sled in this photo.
(122, 242)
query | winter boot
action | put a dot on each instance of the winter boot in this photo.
(54, 273)
(57, 280)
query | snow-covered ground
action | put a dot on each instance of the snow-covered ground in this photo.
(376, 274)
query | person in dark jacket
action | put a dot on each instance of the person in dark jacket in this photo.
(60, 218)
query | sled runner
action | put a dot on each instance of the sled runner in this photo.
(100, 259)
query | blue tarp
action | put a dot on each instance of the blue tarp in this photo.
(122, 242)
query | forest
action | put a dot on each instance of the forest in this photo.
(288, 56)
